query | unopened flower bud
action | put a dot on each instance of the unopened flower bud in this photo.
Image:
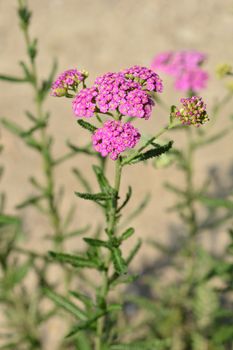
(193, 111)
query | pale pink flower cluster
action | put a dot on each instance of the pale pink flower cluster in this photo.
(114, 138)
(185, 67)
(193, 111)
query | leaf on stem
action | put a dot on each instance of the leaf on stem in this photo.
(30, 201)
(153, 152)
(216, 202)
(65, 304)
(46, 84)
(102, 180)
(96, 242)
(87, 126)
(128, 233)
(133, 252)
(82, 179)
(12, 79)
(86, 300)
(118, 261)
(138, 210)
(96, 197)
(84, 150)
(127, 198)
(86, 325)
(74, 260)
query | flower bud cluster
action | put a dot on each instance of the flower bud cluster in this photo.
(185, 67)
(67, 81)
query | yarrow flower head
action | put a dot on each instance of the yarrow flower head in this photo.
(185, 67)
(67, 81)
(193, 111)
(147, 78)
(114, 138)
(120, 92)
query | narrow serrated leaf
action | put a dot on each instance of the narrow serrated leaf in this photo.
(74, 260)
(87, 126)
(85, 325)
(96, 242)
(153, 152)
(128, 233)
(127, 198)
(133, 252)
(101, 178)
(94, 196)
(118, 261)
(65, 304)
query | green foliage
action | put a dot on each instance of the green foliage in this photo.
(87, 126)
(96, 197)
(119, 263)
(156, 151)
(65, 304)
(75, 260)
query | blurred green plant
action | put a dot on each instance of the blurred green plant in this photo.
(194, 308)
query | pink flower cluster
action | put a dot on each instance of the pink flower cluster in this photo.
(128, 93)
(69, 79)
(114, 138)
(146, 77)
(185, 67)
(125, 91)
(193, 111)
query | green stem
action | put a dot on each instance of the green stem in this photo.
(111, 229)
(147, 143)
(192, 217)
(46, 155)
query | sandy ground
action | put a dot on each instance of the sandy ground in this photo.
(100, 36)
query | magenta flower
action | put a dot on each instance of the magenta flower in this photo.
(114, 138)
(84, 103)
(185, 67)
(193, 111)
(68, 80)
(147, 78)
(126, 92)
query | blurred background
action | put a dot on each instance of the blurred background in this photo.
(101, 36)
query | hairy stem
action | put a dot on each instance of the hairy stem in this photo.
(111, 229)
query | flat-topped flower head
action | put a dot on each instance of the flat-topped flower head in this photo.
(114, 138)
(84, 103)
(67, 81)
(193, 111)
(120, 92)
(185, 66)
(146, 77)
